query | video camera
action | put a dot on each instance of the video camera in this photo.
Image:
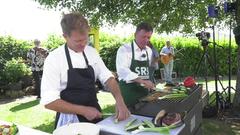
(204, 37)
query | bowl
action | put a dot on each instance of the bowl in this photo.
(82, 128)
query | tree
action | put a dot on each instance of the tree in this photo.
(183, 15)
(164, 15)
(236, 101)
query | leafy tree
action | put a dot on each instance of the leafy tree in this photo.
(164, 15)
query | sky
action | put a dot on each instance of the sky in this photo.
(24, 19)
(27, 19)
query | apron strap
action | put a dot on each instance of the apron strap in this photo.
(69, 59)
(133, 55)
(85, 58)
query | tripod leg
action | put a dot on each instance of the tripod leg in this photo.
(224, 89)
(198, 65)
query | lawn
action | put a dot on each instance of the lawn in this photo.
(28, 112)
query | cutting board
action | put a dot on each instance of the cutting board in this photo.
(108, 127)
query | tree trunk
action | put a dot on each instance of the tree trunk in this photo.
(236, 100)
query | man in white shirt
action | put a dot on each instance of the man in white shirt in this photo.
(132, 63)
(70, 72)
(167, 54)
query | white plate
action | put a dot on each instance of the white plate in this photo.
(82, 128)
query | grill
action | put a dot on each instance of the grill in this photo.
(191, 105)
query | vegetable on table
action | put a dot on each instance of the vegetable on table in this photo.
(130, 123)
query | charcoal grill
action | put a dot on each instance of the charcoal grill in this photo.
(191, 105)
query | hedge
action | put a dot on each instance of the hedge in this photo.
(185, 62)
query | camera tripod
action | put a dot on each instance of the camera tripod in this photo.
(221, 101)
(229, 87)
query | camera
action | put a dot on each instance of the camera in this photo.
(204, 37)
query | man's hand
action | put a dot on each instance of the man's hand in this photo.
(122, 112)
(147, 84)
(91, 113)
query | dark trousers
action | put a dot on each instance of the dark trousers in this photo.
(37, 78)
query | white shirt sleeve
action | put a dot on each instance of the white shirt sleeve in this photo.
(103, 73)
(50, 85)
(123, 62)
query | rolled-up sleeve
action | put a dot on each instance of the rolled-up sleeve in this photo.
(123, 62)
(50, 85)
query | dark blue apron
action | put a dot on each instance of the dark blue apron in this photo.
(80, 88)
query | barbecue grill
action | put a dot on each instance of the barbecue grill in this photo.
(190, 105)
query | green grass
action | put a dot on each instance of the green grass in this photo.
(30, 113)
(216, 127)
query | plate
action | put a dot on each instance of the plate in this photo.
(82, 128)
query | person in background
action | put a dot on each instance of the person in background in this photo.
(168, 52)
(154, 64)
(36, 57)
(132, 64)
(69, 75)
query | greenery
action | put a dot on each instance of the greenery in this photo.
(186, 61)
(12, 48)
(167, 15)
(53, 41)
(14, 70)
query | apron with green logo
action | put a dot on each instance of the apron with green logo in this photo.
(132, 92)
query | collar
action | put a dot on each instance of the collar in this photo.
(136, 48)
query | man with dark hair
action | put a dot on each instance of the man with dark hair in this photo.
(70, 72)
(132, 65)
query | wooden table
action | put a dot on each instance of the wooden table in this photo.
(22, 130)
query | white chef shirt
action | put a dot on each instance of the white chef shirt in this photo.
(55, 69)
(124, 58)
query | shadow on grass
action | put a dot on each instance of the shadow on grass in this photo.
(24, 106)
(46, 127)
(217, 127)
(49, 126)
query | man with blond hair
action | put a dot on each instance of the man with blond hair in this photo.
(70, 72)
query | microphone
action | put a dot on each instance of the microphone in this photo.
(143, 55)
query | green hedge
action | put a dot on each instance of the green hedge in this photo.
(12, 48)
(185, 63)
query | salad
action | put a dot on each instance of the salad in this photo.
(8, 130)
